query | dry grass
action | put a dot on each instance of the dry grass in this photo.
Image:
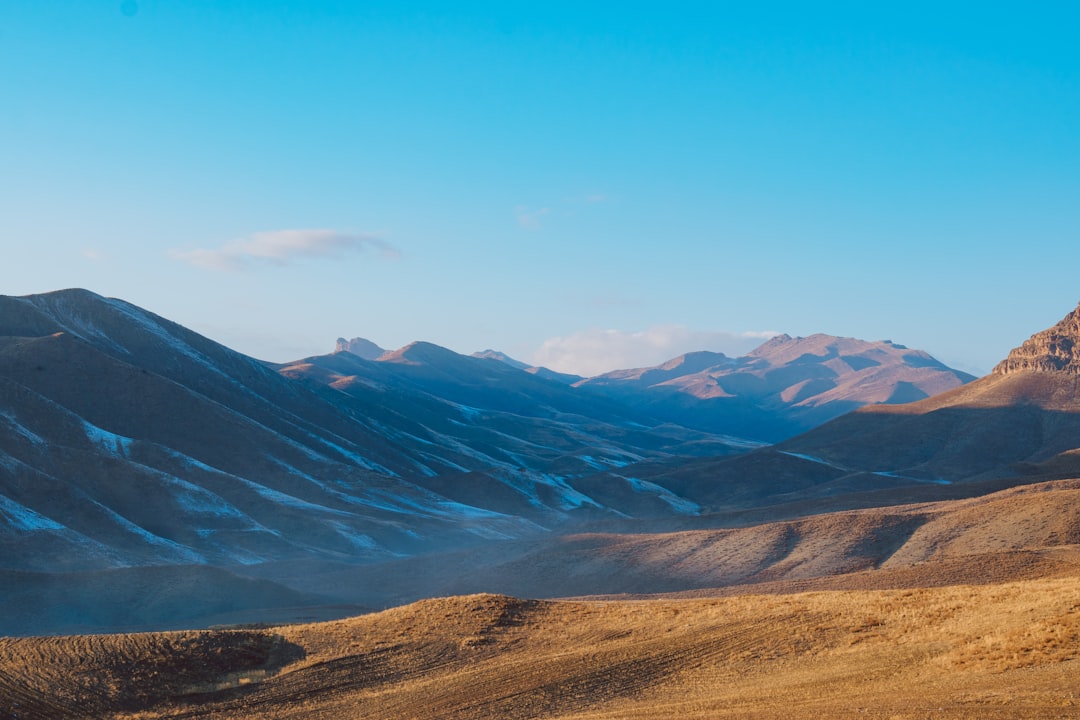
(993, 651)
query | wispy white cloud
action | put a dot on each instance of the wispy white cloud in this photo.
(531, 219)
(281, 247)
(592, 352)
(93, 254)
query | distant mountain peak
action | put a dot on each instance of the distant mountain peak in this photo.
(1055, 349)
(419, 352)
(359, 346)
(774, 342)
(696, 361)
(501, 357)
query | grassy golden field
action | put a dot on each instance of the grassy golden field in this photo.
(1003, 650)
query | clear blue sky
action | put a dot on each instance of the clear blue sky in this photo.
(588, 185)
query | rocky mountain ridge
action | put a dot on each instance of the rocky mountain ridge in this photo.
(1055, 349)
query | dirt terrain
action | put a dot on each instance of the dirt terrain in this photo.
(992, 651)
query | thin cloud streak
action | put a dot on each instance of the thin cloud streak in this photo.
(282, 247)
(593, 352)
(531, 219)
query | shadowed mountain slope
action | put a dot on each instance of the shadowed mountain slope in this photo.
(128, 440)
(484, 429)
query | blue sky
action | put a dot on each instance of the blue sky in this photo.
(590, 187)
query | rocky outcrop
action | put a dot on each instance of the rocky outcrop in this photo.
(1054, 350)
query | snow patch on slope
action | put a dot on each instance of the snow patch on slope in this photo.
(80, 326)
(12, 422)
(677, 503)
(286, 500)
(358, 540)
(603, 463)
(112, 443)
(155, 329)
(568, 497)
(182, 552)
(200, 501)
(931, 481)
(467, 412)
(356, 458)
(811, 458)
(882, 473)
(20, 517)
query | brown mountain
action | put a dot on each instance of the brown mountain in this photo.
(1022, 419)
(1020, 424)
(785, 386)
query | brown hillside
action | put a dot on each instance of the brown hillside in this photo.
(1001, 651)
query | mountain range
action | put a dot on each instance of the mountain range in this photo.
(136, 453)
(785, 386)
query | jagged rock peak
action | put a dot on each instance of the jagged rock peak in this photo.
(1054, 350)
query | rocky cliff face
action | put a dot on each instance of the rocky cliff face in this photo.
(1054, 350)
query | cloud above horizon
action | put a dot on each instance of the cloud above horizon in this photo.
(281, 247)
(596, 351)
(531, 219)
